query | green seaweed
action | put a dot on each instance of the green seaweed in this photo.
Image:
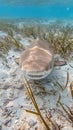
(54, 124)
(71, 89)
(71, 66)
(38, 113)
(59, 38)
(67, 80)
(34, 103)
(58, 35)
(68, 112)
(60, 86)
(39, 85)
(9, 42)
(32, 112)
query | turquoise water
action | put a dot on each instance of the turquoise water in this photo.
(59, 9)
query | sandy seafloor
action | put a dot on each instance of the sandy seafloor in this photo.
(14, 99)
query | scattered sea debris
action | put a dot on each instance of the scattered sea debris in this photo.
(38, 112)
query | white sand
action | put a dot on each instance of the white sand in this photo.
(14, 99)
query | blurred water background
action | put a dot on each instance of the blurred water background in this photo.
(37, 9)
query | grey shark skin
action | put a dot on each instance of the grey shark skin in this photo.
(37, 61)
